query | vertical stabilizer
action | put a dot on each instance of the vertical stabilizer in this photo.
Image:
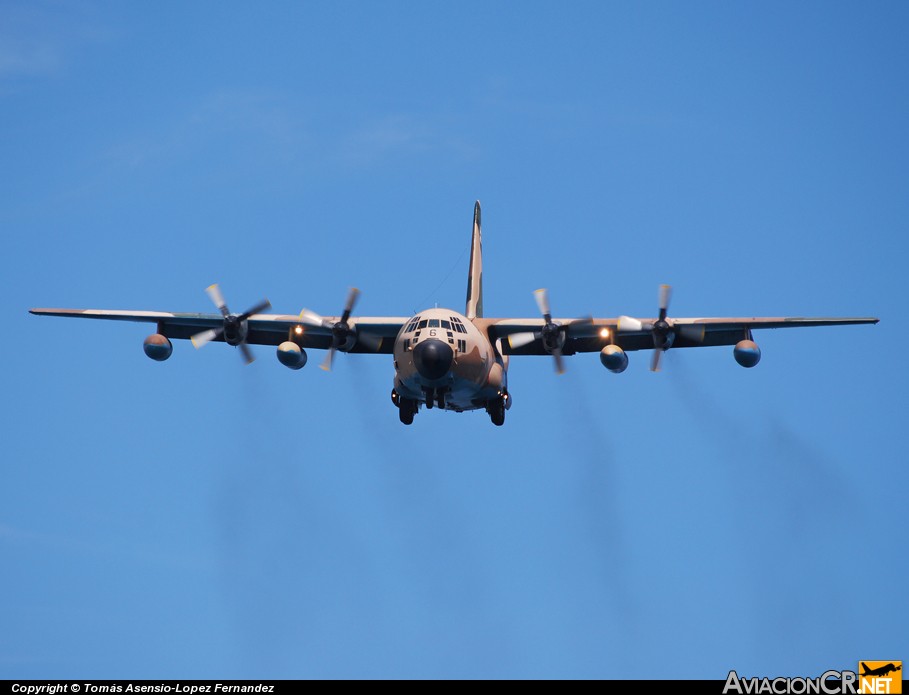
(475, 272)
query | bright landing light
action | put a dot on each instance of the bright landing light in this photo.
(604, 333)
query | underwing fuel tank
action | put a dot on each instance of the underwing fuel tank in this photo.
(291, 355)
(747, 353)
(614, 359)
(157, 347)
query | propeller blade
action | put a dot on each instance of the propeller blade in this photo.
(214, 292)
(665, 294)
(329, 358)
(260, 307)
(655, 361)
(559, 364)
(542, 297)
(626, 323)
(351, 301)
(248, 357)
(517, 340)
(205, 337)
(311, 318)
(694, 332)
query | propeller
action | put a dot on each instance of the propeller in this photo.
(552, 334)
(233, 329)
(340, 329)
(663, 330)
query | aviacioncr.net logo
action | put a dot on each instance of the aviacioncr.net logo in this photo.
(828, 682)
(880, 677)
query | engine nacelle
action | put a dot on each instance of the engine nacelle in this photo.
(291, 355)
(747, 353)
(614, 359)
(157, 347)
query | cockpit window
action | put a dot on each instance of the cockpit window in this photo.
(422, 324)
(456, 324)
(446, 325)
(433, 323)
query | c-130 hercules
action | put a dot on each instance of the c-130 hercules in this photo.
(446, 359)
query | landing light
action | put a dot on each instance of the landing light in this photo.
(298, 330)
(604, 333)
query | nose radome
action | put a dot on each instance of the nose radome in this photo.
(432, 358)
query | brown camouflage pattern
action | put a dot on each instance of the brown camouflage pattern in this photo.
(479, 372)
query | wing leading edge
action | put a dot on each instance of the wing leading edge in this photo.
(591, 335)
(263, 329)
(598, 332)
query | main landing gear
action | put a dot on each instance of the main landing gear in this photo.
(496, 409)
(407, 407)
(406, 410)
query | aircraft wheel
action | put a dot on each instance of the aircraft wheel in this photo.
(496, 410)
(406, 411)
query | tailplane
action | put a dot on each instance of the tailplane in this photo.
(475, 272)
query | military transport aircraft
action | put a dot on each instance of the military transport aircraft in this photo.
(445, 358)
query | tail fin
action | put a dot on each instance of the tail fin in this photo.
(475, 272)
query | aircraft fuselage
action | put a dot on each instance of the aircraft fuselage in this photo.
(442, 360)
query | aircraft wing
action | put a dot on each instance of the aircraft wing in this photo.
(263, 329)
(592, 335)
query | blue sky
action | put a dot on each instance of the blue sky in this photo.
(199, 518)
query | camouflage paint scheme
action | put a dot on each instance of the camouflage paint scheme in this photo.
(478, 372)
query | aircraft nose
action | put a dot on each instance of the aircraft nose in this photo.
(432, 358)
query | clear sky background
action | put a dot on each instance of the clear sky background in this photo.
(200, 518)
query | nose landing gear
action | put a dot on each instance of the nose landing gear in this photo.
(434, 397)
